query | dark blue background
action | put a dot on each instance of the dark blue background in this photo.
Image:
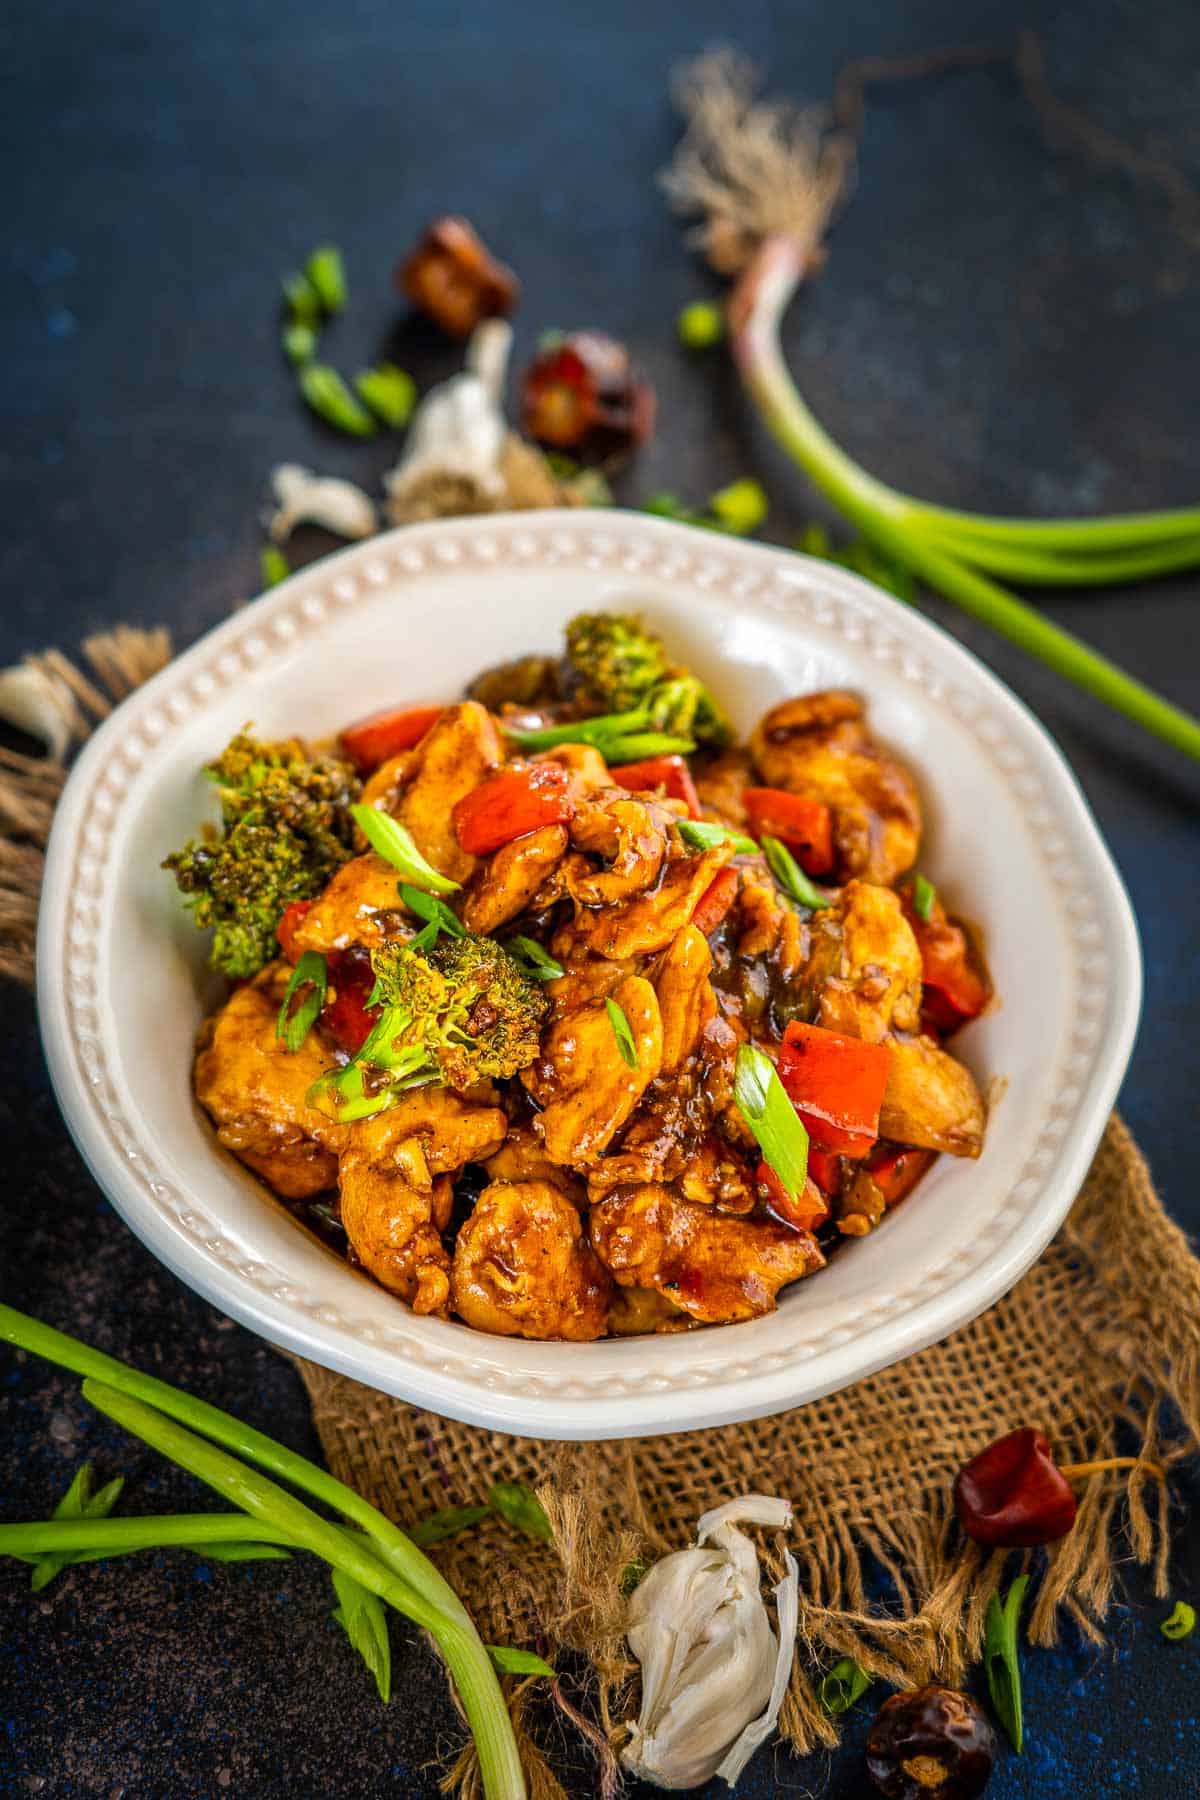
(1000, 327)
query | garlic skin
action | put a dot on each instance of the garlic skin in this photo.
(714, 1672)
(457, 437)
(304, 498)
(35, 703)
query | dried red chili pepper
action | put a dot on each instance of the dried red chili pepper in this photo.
(453, 277)
(1014, 1496)
(583, 394)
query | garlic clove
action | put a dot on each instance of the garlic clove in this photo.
(31, 700)
(305, 498)
(787, 1616)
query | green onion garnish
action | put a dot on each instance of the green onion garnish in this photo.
(299, 342)
(702, 835)
(388, 391)
(79, 1502)
(533, 959)
(291, 1028)
(448, 1522)
(596, 732)
(511, 1661)
(1181, 1623)
(924, 895)
(843, 1685)
(791, 876)
(520, 1507)
(391, 840)
(622, 1033)
(363, 1617)
(331, 400)
(273, 566)
(763, 1103)
(741, 507)
(1000, 1662)
(641, 744)
(425, 939)
(327, 277)
(303, 300)
(435, 911)
(700, 325)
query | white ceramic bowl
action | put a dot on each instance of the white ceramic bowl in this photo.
(410, 616)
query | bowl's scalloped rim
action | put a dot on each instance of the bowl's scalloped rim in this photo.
(426, 1369)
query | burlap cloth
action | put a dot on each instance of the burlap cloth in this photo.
(1099, 1345)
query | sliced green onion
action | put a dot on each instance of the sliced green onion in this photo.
(924, 895)
(520, 1507)
(299, 343)
(533, 959)
(388, 391)
(791, 876)
(394, 842)
(425, 939)
(448, 1523)
(701, 834)
(511, 1661)
(700, 325)
(327, 277)
(741, 507)
(291, 1028)
(273, 566)
(435, 911)
(330, 398)
(622, 1033)
(363, 1617)
(1181, 1623)
(303, 300)
(1000, 1662)
(843, 1685)
(641, 744)
(596, 732)
(762, 1100)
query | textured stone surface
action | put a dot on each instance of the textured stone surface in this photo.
(998, 328)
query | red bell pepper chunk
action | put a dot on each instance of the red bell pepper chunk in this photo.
(836, 1084)
(668, 775)
(955, 988)
(805, 1212)
(715, 901)
(285, 931)
(824, 1167)
(511, 805)
(896, 1170)
(375, 740)
(345, 1015)
(804, 825)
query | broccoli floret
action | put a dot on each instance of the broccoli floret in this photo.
(618, 665)
(459, 1012)
(286, 827)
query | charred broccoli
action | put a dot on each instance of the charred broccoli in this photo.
(286, 827)
(618, 665)
(459, 1012)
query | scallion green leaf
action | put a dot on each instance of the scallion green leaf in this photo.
(924, 895)
(843, 1686)
(701, 834)
(330, 398)
(1000, 1662)
(448, 1523)
(741, 507)
(596, 732)
(273, 566)
(762, 1100)
(433, 910)
(533, 959)
(388, 391)
(394, 842)
(79, 1502)
(520, 1507)
(511, 1661)
(363, 1617)
(622, 1033)
(638, 745)
(303, 300)
(299, 343)
(791, 876)
(327, 277)
(1181, 1623)
(291, 1028)
(700, 325)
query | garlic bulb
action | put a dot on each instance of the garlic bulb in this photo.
(457, 437)
(714, 1673)
(307, 499)
(41, 706)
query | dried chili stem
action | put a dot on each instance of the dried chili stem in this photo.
(1079, 1470)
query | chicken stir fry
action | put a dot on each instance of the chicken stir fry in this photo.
(570, 1017)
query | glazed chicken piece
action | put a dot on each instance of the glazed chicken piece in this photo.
(523, 1268)
(721, 781)
(587, 768)
(633, 1311)
(506, 882)
(586, 1089)
(931, 1101)
(360, 905)
(384, 787)
(818, 745)
(255, 1091)
(716, 1268)
(585, 978)
(685, 999)
(875, 983)
(630, 835)
(766, 926)
(450, 762)
(522, 1157)
(647, 923)
(395, 1179)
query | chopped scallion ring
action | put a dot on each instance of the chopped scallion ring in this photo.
(761, 1099)
(791, 876)
(701, 834)
(532, 958)
(433, 910)
(584, 731)
(391, 840)
(291, 1028)
(924, 895)
(623, 1034)
(327, 277)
